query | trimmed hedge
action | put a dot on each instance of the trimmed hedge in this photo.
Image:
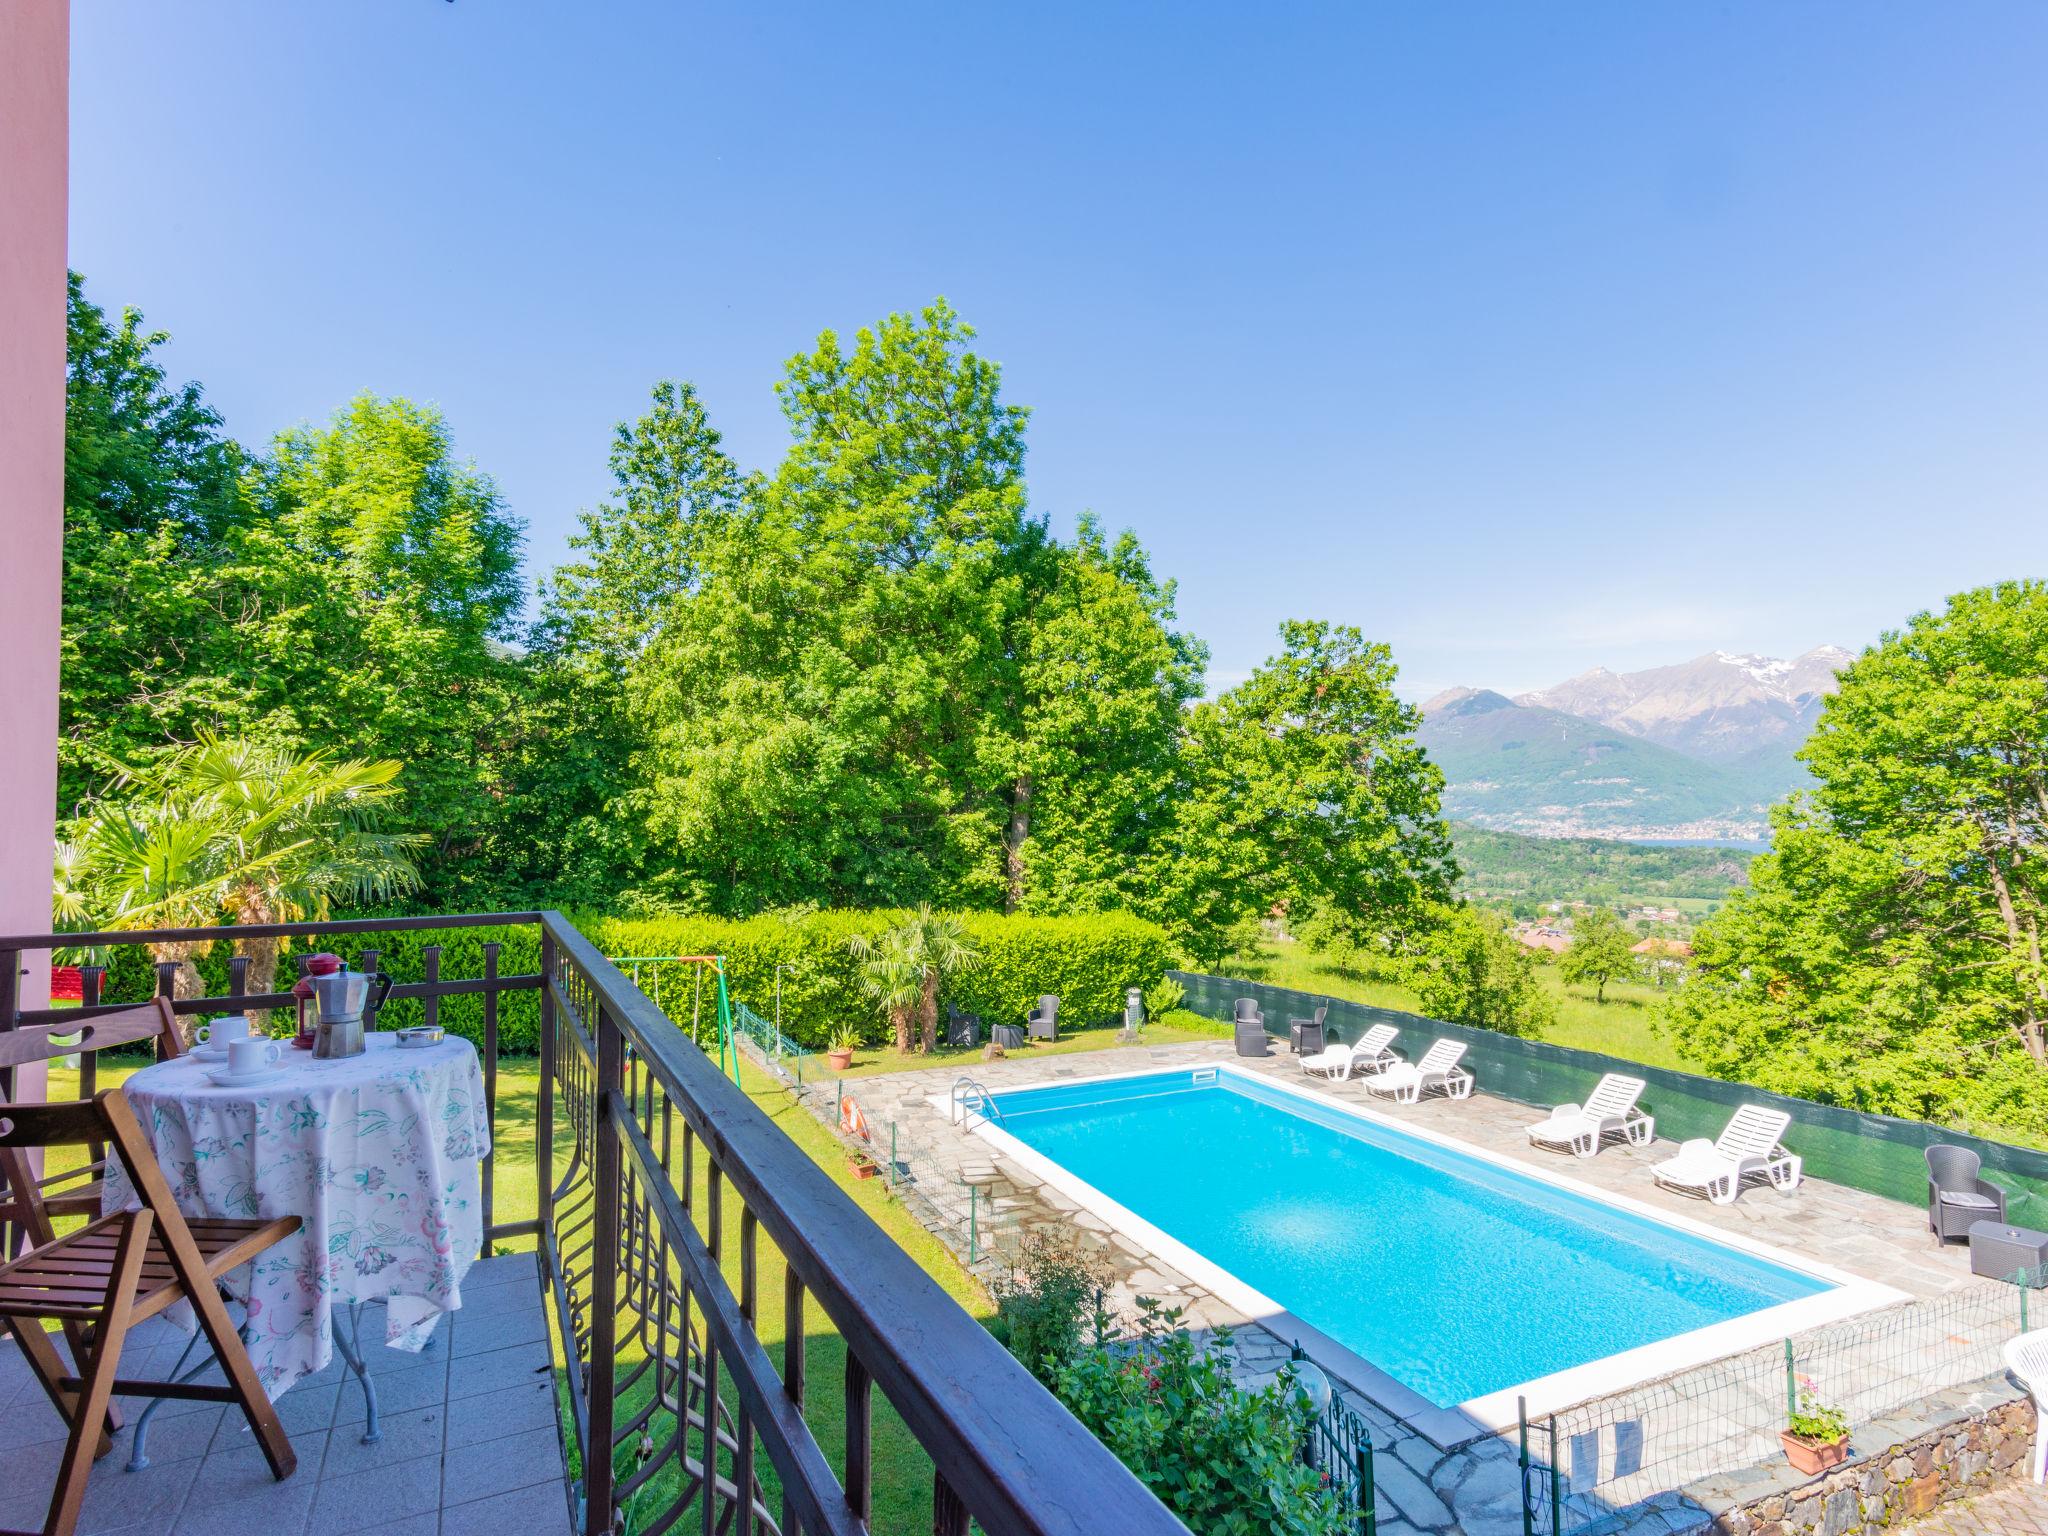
(1087, 960)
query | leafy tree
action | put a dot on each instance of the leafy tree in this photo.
(307, 828)
(902, 970)
(889, 683)
(1106, 682)
(1469, 969)
(570, 825)
(1303, 786)
(1889, 955)
(250, 831)
(820, 714)
(385, 577)
(150, 504)
(638, 554)
(1602, 950)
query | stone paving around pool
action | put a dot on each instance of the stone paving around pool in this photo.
(1474, 1488)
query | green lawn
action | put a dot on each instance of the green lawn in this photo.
(1621, 1026)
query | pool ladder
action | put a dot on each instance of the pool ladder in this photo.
(970, 1095)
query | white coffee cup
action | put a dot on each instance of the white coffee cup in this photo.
(220, 1033)
(248, 1057)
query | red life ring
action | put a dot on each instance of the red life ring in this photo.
(852, 1121)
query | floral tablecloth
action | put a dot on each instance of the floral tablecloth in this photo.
(378, 1154)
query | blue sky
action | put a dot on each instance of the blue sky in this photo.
(1525, 337)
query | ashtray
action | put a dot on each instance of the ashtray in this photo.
(420, 1036)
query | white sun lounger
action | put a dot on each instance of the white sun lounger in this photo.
(1749, 1145)
(1405, 1081)
(1610, 1110)
(2027, 1358)
(1368, 1054)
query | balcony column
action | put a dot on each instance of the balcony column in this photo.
(35, 150)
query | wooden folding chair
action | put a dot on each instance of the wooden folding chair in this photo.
(116, 1272)
(75, 1192)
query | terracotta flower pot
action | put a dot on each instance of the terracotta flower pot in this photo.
(1813, 1457)
(840, 1060)
(863, 1168)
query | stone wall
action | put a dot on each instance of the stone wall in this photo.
(1905, 1480)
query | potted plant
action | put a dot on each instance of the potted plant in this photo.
(863, 1166)
(840, 1051)
(1817, 1436)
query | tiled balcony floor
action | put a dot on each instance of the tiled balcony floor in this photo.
(470, 1445)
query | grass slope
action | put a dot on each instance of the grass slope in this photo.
(1624, 1025)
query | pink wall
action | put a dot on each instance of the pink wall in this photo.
(34, 164)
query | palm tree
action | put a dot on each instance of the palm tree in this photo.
(893, 977)
(258, 832)
(902, 972)
(145, 863)
(306, 830)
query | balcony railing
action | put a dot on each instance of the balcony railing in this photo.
(675, 1406)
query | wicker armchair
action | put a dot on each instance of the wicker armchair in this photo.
(1956, 1196)
(1249, 1028)
(1043, 1021)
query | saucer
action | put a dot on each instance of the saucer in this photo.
(223, 1078)
(204, 1053)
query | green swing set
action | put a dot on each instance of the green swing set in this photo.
(728, 1047)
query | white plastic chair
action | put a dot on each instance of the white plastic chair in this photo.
(1369, 1054)
(1610, 1109)
(1717, 1168)
(2027, 1358)
(1405, 1081)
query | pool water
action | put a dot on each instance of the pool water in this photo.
(1455, 1276)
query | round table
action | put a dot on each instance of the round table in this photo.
(378, 1154)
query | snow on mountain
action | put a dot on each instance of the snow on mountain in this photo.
(1721, 706)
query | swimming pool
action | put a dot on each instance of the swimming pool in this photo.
(1456, 1278)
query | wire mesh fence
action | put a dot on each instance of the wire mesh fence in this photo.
(962, 1215)
(773, 1051)
(1598, 1466)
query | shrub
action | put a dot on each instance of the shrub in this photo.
(1222, 1457)
(1043, 1309)
(1164, 996)
(1088, 960)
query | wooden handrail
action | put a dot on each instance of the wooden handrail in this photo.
(117, 936)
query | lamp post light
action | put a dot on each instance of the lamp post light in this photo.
(1313, 1388)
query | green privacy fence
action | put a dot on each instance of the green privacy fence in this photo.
(1878, 1153)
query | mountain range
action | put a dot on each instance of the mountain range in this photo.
(1696, 750)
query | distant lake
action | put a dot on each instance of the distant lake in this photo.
(1752, 844)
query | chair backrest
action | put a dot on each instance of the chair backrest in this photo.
(1375, 1040)
(1954, 1168)
(1442, 1056)
(1248, 1009)
(1321, 1014)
(2027, 1358)
(154, 1020)
(1048, 1004)
(1754, 1132)
(1615, 1095)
